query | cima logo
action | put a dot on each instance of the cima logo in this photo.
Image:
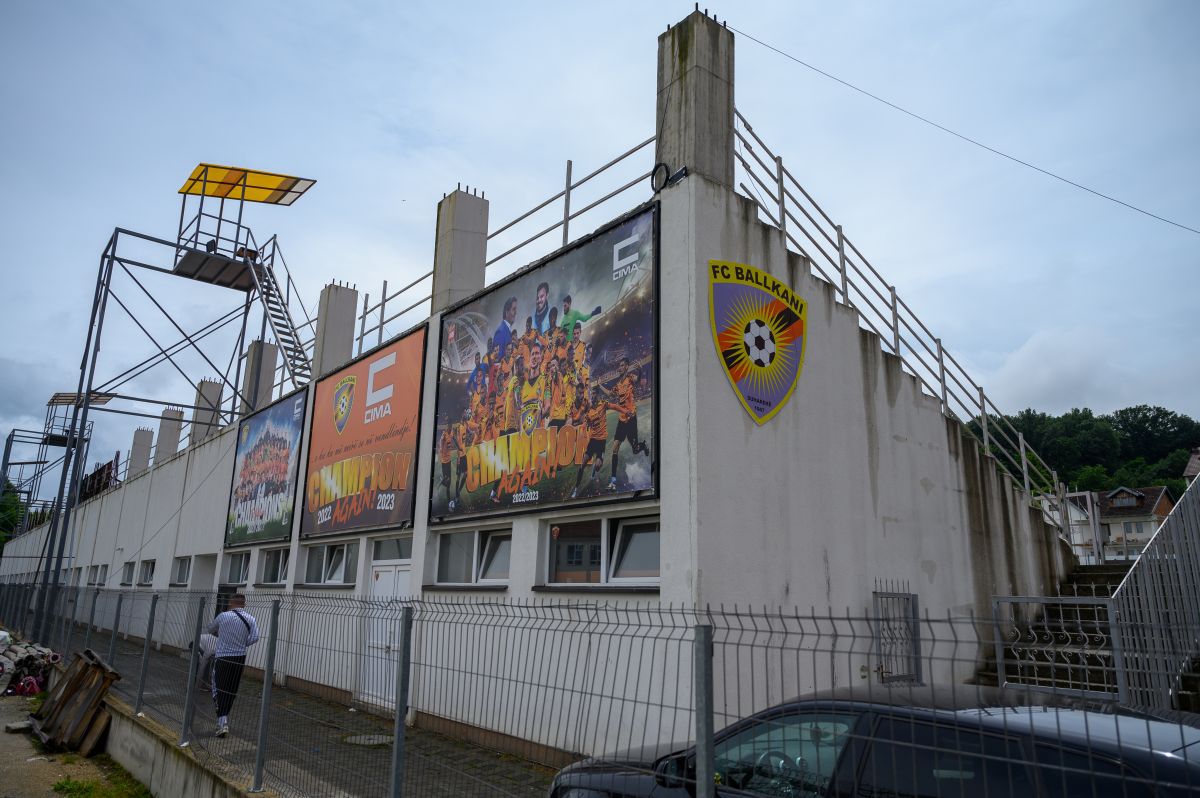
(343, 402)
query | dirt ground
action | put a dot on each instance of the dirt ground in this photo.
(25, 772)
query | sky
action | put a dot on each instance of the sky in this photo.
(1051, 297)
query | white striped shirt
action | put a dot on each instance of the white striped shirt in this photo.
(233, 636)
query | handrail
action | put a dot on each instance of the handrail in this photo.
(786, 204)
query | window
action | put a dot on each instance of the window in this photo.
(127, 573)
(146, 575)
(912, 758)
(103, 578)
(93, 575)
(1124, 500)
(791, 754)
(616, 550)
(237, 567)
(331, 564)
(393, 549)
(182, 571)
(474, 556)
(274, 566)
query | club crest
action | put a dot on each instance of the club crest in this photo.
(343, 402)
(758, 326)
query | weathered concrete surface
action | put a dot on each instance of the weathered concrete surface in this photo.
(460, 249)
(337, 314)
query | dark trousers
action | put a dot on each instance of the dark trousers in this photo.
(227, 675)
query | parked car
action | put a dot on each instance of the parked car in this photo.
(823, 747)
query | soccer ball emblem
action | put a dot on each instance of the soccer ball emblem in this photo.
(759, 342)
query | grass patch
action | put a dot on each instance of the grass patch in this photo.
(117, 783)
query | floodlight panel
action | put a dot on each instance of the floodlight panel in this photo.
(252, 185)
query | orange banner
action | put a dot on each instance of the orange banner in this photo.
(362, 458)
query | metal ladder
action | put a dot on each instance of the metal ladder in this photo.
(295, 359)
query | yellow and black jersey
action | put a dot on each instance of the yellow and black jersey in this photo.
(625, 405)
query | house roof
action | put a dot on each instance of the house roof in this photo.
(1193, 466)
(1148, 499)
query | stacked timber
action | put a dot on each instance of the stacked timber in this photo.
(73, 716)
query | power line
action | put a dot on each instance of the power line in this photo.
(967, 139)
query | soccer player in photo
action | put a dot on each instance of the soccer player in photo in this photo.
(466, 433)
(570, 317)
(445, 452)
(627, 421)
(533, 391)
(595, 417)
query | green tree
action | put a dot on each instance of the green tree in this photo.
(10, 512)
(1153, 432)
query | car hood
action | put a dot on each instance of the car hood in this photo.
(640, 758)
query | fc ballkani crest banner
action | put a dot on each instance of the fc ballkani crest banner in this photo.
(546, 381)
(758, 326)
(264, 473)
(361, 460)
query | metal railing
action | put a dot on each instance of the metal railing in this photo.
(495, 695)
(833, 257)
(1158, 607)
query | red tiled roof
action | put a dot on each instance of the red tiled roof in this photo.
(1145, 506)
(1193, 466)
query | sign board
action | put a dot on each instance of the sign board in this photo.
(264, 473)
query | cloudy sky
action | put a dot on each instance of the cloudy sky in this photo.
(1052, 297)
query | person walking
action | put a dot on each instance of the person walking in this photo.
(236, 630)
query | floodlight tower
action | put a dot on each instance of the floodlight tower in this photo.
(213, 245)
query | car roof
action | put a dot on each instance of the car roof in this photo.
(1092, 729)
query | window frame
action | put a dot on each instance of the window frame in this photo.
(146, 571)
(283, 566)
(175, 580)
(128, 571)
(479, 542)
(93, 575)
(237, 556)
(103, 577)
(323, 549)
(375, 543)
(610, 530)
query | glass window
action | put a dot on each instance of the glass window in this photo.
(575, 552)
(93, 574)
(331, 564)
(790, 754)
(912, 758)
(635, 550)
(1066, 773)
(182, 571)
(103, 578)
(147, 573)
(456, 556)
(275, 566)
(393, 549)
(127, 573)
(239, 567)
(493, 564)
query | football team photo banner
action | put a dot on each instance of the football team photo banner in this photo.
(546, 382)
(362, 455)
(758, 326)
(264, 473)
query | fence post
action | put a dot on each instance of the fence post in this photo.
(1024, 460)
(382, 302)
(137, 707)
(842, 265)
(1118, 652)
(567, 205)
(983, 420)
(189, 708)
(112, 643)
(87, 637)
(403, 665)
(264, 711)
(895, 320)
(702, 687)
(71, 627)
(782, 198)
(362, 323)
(941, 352)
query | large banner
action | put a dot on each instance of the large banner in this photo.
(546, 382)
(361, 459)
(264, 473)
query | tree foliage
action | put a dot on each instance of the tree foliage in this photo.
(1135, 447)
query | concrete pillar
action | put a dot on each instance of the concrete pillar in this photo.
(258, 376)
(169, 427)
(460, 248)
(695, 99)
(139, 452)
(206, 416)
(337, 316)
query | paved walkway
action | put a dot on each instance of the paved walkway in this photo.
(312, 746)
